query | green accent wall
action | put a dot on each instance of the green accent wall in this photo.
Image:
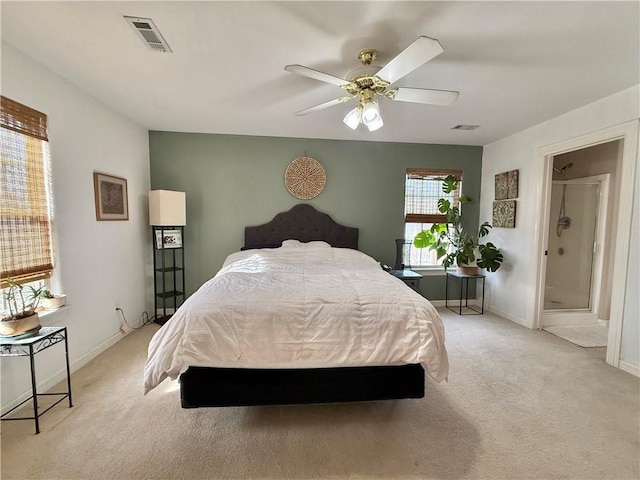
(232, 181)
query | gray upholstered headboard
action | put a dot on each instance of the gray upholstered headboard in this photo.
(304, 223)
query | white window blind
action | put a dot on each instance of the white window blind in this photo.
(25, 194)
(423, 189)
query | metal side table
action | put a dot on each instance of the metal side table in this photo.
(464, 279)
(28, 347)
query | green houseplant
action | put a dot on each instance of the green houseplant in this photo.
(20, 315)
(52, 301)
(454, 243)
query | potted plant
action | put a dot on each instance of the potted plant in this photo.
(21, 316)
(452, 242)
(52, 301)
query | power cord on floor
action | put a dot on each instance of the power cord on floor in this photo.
(126, 328)
(146, 320)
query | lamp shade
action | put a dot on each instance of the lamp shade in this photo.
(370, 112)
(375, 124)
(352, 119)
(167, 208)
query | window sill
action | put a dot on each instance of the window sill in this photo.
(430, 271)
(51, 317)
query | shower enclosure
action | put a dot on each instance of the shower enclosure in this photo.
(574, 250)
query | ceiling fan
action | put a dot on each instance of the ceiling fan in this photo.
(369, 81)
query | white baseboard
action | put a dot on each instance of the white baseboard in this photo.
(629, 368)
(452, 303)
(487, 309)
(47, 383)
(509, 316)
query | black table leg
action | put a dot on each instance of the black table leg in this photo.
(466, 295)
(66, 354)
(446, 291)
(34, 392)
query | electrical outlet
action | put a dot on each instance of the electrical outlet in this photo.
(126, 328)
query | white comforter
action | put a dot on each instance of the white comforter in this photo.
(299, 306)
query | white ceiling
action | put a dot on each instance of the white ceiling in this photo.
(515, 63)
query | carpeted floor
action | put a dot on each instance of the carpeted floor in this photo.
(595, 335)
(519, 404)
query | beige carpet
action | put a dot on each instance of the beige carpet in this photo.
(519, 404)
(595, 335)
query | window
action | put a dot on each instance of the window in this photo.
(423, 189)
(26, 209)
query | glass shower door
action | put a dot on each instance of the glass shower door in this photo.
(571, 246)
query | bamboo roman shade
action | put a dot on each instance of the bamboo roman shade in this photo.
(423, 189)
(25, 189)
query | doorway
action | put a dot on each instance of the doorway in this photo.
(576, 277)
(620, 206)
(576, 252)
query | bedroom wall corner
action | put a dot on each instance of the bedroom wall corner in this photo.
(97, 263)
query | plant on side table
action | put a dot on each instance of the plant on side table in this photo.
(21, 316)
(454, 243)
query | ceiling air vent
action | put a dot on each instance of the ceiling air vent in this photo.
(149, 33)
(465, 127)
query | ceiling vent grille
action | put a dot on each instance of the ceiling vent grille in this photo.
(465, 127)
(148, 33)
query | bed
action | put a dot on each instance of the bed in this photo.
(299, 316)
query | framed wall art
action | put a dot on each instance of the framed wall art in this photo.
(504, 214)
(168, 239)
(512, 184)
(111, 197)
(501, 186)
(506, 185)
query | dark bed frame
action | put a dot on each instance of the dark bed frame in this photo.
(223, 387)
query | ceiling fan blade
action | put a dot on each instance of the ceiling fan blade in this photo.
(316, 75)
(419, 52)
(324, 105)
(424, 95)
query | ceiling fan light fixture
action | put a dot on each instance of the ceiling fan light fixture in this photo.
(353, 118)
(369, 81)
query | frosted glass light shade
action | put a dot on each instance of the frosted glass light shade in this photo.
(371, 116)
(352, 119)
(167, 208)
(370, 112)
(375, 124)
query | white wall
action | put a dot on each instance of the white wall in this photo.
(629, 354)
(98, 263)
(513, 287)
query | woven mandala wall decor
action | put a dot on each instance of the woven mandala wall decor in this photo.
(305, 178)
